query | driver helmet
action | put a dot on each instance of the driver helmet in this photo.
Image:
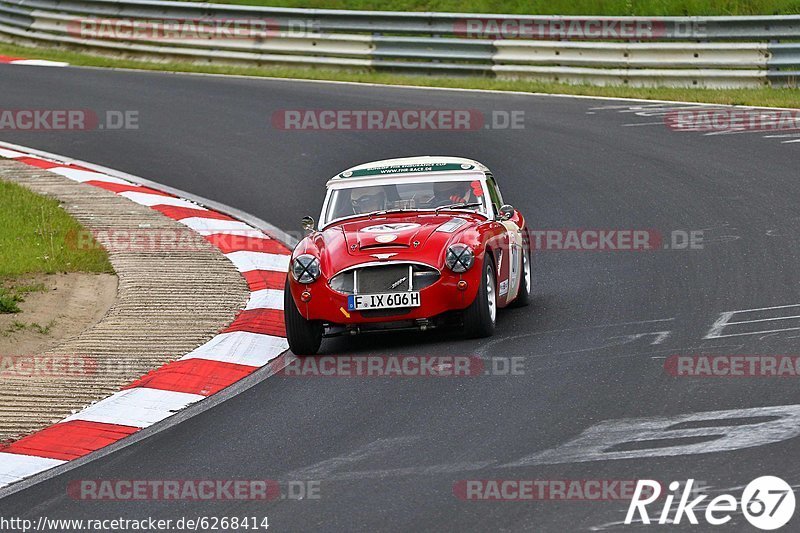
(368, 199)
(454, 191)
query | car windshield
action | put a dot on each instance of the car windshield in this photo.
(405, 196)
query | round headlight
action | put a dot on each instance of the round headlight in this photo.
(305, 268)
(460, 258)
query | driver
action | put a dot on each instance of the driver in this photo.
(368, 199)
(449, 192)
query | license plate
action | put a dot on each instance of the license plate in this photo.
(389, 300)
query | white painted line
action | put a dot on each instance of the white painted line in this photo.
(645, 124)
(212, 226)
(789, 142)
(612, 107)
(150, 200)
(139, 407)
(763, 332)
(14, 466)
(724, 320)
(241, 348)
(39, 63)
(662, 111)
(81, 176)
(633, 323)
(765, 308)
(719, 325)
(764, 320)
(247, 261)
(597, 442)
(732, 131)
(658, 337)
(265, 299)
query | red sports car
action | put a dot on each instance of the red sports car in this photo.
(412, 243)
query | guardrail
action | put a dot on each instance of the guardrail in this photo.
(636, 51)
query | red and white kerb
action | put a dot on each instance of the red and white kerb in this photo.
(253, 339)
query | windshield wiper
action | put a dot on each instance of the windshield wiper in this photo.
(458, 206)
(387, 211)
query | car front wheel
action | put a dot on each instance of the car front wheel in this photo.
(304, 336)
(480, 316)
(524, 296)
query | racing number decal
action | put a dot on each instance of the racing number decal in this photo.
(514, 247)
(515, 259)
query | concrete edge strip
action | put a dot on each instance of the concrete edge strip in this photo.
(251, 344)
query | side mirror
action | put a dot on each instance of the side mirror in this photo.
(307, 223)
(506, 212)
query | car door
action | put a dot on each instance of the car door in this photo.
(509, 260)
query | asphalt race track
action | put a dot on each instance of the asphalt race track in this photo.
(388, 451)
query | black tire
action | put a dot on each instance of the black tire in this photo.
(304, 336)
(523, 298)
(479, 319)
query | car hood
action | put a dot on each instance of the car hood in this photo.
(364, 235)
(413, 237)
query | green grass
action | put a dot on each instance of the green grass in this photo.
(9, 301)
(35, 234)
(760, 97)
(15, 293)
(16, 326)
(552, 7)
(42, 330)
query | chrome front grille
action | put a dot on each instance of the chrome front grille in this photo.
(394, 277)
(389, 278)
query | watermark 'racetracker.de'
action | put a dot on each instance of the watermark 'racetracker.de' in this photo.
(160, 240)
(519, 490)
(720, 120)
(188, 29)
(604, 240)
(67, 120)
(192, 489)
(403, 366)
(47, 366)
(597, 28)
(396, 120)
(733, 366)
